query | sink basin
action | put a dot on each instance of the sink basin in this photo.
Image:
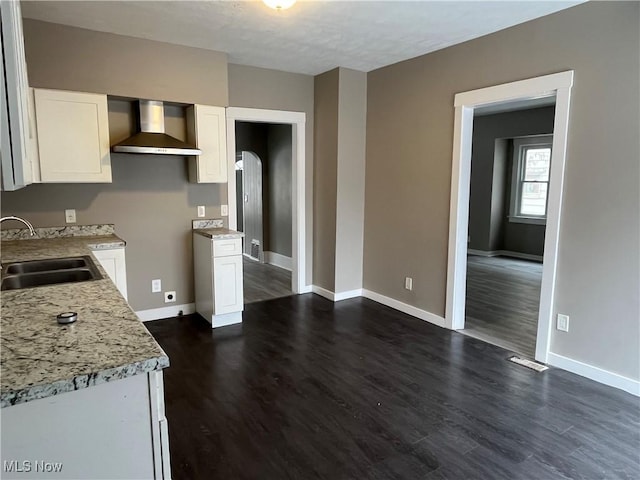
(37, 273)
(46, 265)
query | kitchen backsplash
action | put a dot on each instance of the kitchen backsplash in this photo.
(57, 232)
(208, 223)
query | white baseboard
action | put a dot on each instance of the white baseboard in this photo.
(306, 289)
(166, 312)
(226, 319)
(504, 253)
(404, 307)
(595, 373)
(323, 292)
(348, 294)
(278, 260)
(336, 297)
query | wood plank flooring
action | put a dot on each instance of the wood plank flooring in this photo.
(263, 281)
(308, 389)
(503, 297)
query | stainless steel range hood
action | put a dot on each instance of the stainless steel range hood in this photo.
(151, 138)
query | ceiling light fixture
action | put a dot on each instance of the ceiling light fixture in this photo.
(279, 4)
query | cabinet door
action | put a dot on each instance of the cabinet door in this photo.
(227, 279)
(114, 263)
(206, 128)
(16, 130)
(73, 136)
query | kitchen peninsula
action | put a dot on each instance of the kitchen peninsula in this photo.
(88, 395)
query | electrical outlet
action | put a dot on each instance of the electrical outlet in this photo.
(563, 323)
(224, 210)
(70, 215)
(408, 283)
(169, 297)
(156, 286)
(201, 211)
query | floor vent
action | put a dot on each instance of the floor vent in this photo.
(538, 367)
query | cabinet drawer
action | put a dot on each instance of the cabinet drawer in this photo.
(225, 248)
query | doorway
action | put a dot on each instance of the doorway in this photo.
(511, 95)
(294, 122)
(264, 210)
(510, 166)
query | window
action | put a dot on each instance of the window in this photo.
(530, 186)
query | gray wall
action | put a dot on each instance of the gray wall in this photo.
(150, 202)
(273, 144)
(491, 167)
(409, 149)
(352, 120)
(279, 192)
(72, 58)
(272, 89)
(341, 107)
(325, 179)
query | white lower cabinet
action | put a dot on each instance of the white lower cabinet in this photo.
(115, 430)
(218, 279)
(114, 263)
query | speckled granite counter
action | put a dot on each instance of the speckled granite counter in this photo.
(218, 233)
(39, 357)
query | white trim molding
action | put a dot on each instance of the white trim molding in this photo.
(595, 373)
(323, 292)
(278, 260)
(297, 120)
(404, 307)
(558, 85)
(166, 312)
(348, 294)
(336, 297)
(504, 253)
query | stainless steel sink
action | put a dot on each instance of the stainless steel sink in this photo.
(47, 265)
(37, 273)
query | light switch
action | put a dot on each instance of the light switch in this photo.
(224, 210)
(201, 211)
(70, 215)
(156, 285)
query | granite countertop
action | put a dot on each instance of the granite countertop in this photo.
(218, 233)
(39, 357)
(213, 228)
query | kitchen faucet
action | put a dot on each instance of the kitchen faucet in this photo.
(31, 230)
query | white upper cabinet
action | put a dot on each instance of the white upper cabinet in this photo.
(73, 136)
(206, 128)
(16, 129)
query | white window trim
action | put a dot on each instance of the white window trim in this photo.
(518, 144)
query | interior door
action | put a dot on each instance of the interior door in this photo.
(252, 205)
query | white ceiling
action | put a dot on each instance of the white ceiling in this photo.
(311, 37)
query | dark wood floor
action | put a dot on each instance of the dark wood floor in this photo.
(306, 389)
(503, 297)
(263, 281)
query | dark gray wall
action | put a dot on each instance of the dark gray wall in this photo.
(273, 144)
(279, 143)
(491, 167)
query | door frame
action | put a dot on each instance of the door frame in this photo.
(558, 85)
(297, 121)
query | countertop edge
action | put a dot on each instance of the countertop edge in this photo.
(223, 234)
(36, 392)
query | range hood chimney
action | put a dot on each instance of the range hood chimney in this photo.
(151, 138)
